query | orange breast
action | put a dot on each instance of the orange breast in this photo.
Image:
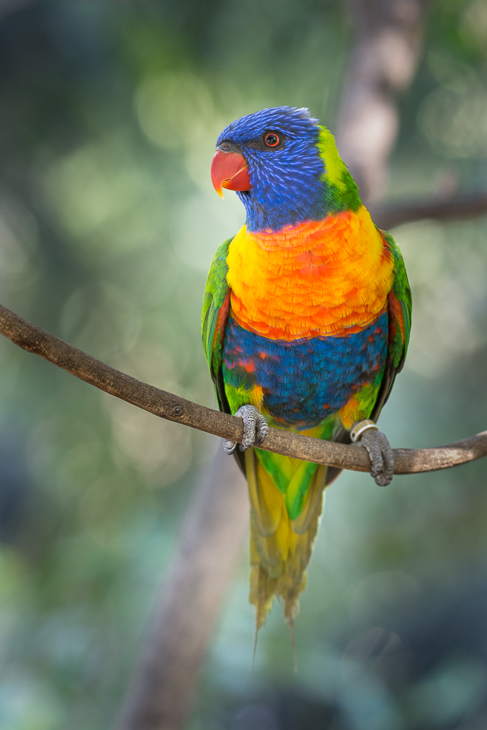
(320, 278)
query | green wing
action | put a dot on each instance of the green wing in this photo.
(399, 324)
(214, 318)
(400, 306)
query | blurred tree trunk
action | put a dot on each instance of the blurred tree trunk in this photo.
(190, 599)
(7, 7)
(384, 56)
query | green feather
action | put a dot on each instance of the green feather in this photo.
(341, 189)
(216, 292)
(402, 292)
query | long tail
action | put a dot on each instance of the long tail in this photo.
(280, 547)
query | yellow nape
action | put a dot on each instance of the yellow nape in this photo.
(335, 168)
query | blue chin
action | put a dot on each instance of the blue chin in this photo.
(283, 210)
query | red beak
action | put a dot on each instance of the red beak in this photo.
(229, 170)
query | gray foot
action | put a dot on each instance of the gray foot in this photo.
(379, 450)
(255, 429)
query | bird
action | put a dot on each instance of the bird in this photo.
(305, 324)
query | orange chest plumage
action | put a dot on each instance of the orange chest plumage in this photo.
(315, 279)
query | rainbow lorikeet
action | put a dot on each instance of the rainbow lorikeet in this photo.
(306, 321)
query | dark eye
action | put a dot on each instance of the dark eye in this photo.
(272, 139)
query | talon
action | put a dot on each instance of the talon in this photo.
(255, 429)
(379, 449)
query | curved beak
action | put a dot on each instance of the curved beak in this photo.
(229, 170)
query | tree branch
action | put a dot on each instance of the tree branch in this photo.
(448, 209)
(173, 408)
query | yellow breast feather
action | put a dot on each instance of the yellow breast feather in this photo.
(319, 278)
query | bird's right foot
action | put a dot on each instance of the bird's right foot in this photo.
(255, 429)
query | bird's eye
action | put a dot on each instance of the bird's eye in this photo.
(271, 139)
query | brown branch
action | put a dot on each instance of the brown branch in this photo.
(389, 215)
(174, 408)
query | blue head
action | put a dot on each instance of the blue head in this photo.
(292, 174)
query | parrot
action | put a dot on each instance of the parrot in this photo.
(305, 324)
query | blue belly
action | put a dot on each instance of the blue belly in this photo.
(306, 380)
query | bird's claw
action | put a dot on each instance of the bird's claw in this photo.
(379, 449)
(255, 429)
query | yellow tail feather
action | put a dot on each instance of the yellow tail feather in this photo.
(280, 548)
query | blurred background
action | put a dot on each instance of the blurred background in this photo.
(108, 222)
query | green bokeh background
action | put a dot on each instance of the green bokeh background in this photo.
(108, 222)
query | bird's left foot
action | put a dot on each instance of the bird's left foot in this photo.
(255, 429)
(379, 449)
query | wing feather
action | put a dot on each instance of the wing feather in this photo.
(214, 318)
(399, 305)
